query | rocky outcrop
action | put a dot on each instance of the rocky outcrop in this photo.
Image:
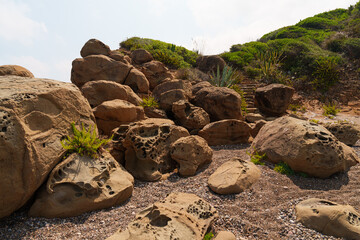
(141, 56)
(344, 131)
(153, 112)
(229, 131)
(190, 116)
(137, 81)
(111, 114)
(234, 176)
(210, 63)
(97, 92)
(15, 70)
(329, 218)
(168, 98)
(148, 145)
(180, 216)
(173, 84)
(34, 115)
(80, 184)
(253, 117)
(190, 153)
(273, 99)
(219, 102)
(304, 146)
(95, 47)
(156, 73)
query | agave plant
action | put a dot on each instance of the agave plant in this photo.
(227, 78)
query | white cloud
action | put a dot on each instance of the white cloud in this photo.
(15, 25)
(156, 7)
(62, 70)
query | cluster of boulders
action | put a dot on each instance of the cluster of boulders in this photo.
(148, 142)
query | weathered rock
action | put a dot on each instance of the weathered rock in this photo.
(329, 218)
(97, 92)
(344, 131)
(141, 56)
(219, 102)
(253, 117)
(229, 131)
(118, 56)
(224, 235)
(234, 176)
(15, 70)
(304, 146)
(190, 116)
(190, 152)
(147, 145)
(210, 63)
(273, 99)
(258, 125)
(166, 86)
(137, 81)
(199, 86)
(180, 216)
(80, 184)
(152, 112)
(34, 115)
(155, 72)
(98, 67)
(95, 47)
(167, 99)
(111, 114)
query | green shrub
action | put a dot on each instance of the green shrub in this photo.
(330, 109)
(284, 168)
(314, 121)
(149, 102)
(226, 78)
(256, 157)
(208, 236)
(269, 61)
(326, 73)
(317, 23)
(83, 142)
(297, 107)
(351, 47)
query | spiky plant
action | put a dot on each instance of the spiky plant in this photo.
(226, 78)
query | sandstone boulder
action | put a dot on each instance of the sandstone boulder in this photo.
(329, 218)
(255, 129)
(304, 146)
(97, 92)
(273, 99)
(219, 102)
(166, 86)
(195, 88)
(229, 131)
(210, 63)
(253, 117)
(190, 116)
(156, 73)
(234, 176)
(118, 56)
(111, 114)
(80, 184)
(180, 216)
(95, 47)
(153, 112)
(141, 56)
(190, 152)
(148, 145)
(167, 99)
(346, 132)
(224, 235)
(15, 70)
(137, 81)
(98, 67)
(34, 115)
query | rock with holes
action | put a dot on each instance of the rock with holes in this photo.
(98, 67)
(95, 47)
(34, 115)
(80, 184)
(274, 99)
(137, 81)
(346, 132)
(111, 114)
(329, 218)
(15, 70)
(156, 73)
(304, 146)
(189, 116)
(148, 145)
(234, 176)
(191, 152)
(181, 216)
(229, 131)
(141, 56)
(97, 92)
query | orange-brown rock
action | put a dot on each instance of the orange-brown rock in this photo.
(210, 63)
(167, 99)
(141, 56)
(34, 115)
(346, 132)
(95, 47)
(255, 129)
(173, 84)
(137, 81)
(15, 70)
(190, 116)
(156, 73)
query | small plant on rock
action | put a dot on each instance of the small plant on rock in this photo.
(83, 142)
(314, 121)
(330, 110)
(256, 157)
(149, 101)
(284, 168)
(208, 236)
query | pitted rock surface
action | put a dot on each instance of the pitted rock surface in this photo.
(346, 132)
(234, 176)
(329, 218)
(180, 216)
(15, 70)
(305, 146)
(80, 184)
(34, 115)
(147, 144)
(189, 116)
(95, 47)
(191, 152)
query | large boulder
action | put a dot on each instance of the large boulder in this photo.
(274, 99)
(15, 70)
(346, 132)
(190, 152)
(304, 146)
(329, 218)
(156, 73)
(219, 102)
(190, 116)
(224, 235)
(181, 216)
(167, 99)
(148, 145)
(210, 63)
(97, 92)
(141, 56)
(80, 184)
(98, 67)
(137, 81)
(111, 114)
(95, 47)
(234, 176)
(173, 84)
(229, 131)
(34, 115)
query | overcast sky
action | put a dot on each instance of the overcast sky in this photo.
(46, 35)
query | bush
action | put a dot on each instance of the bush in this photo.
(351, 47)
(330, 110)
(326, 73)
(317, 23)
(208, 236)
(256, 157)
(284, 168)
(83, 142)
(149, 102)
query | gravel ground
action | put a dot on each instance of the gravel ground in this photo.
(266, 211)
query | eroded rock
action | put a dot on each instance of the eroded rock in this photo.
(15, 70)
(190, 116)
(344, 131)
(141, 56)
(95, 47)
(155, 72)
(137, 81)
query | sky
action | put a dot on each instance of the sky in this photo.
(45, 36)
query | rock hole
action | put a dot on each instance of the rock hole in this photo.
(4, 129)
(44, 145)
(108, 187)
(60, 173)
(111, 192)
(78, 194)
